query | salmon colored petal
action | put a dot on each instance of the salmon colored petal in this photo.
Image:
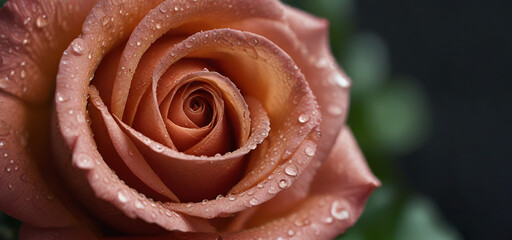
(172, 14)
(28, 232)
(292, 109)
(25, 192)
(127, 150)
(338, 196)
(33, 35)
(113, 203)
(230, 121)
(194, 177)
(305, 38)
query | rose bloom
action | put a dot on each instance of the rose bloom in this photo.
(178, 119)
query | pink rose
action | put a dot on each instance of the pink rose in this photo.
(196, 119)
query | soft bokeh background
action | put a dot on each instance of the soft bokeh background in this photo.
(430, 109)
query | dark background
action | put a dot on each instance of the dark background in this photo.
(461, 52)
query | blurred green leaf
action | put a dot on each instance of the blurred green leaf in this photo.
(398, 116)
(366, 61)
(420, 220)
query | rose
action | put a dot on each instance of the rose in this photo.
(148, 87)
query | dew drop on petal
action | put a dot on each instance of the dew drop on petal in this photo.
(310, 151)
(232, 197)
(303, 118)
(291, 170)
(83, 161)
(337, 212)
(283, 183)
(139, 205)
(122, 197)
(253, 201)
(41, 21)
(341, 81)
(78, 46)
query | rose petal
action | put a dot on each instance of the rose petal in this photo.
(126, 150)
(337, 200)
(344, 180)
(160, 20)
(113, 203)
(33, 35)
(305, 39)
(25, 192)
(29, 53)
(189, 175)
(231, 114)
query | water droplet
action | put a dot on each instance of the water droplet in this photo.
(337, 212)
(291, 170)
(232, 197)
(328, 220)
(2, 143)
(303, 118)
(9, 186)
(122, 197)
(23, 73)
(60, 97)
(283, 183)
(272, 190)
(78, 46)
(158, 148)
(25, 41)
(310, 151)
(204, 201)
(253, 201)
(138, 43)
(341, 81)
(84, 161)
(189, 43)
(219, 196)
(334, 110)
(4, 128)
(253, 42)
(291, 232)
(322, 63)
(139, 205)
(158, 26)
(176, 8)
(8, 169)
(41, 21)
(163, 9)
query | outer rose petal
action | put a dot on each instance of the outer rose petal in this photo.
(33, 35)
(87, 175)
(337, 199)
